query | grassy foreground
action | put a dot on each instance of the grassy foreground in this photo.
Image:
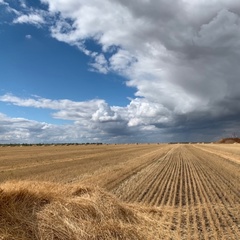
(43, 210)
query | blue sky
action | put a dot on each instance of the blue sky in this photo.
(152, 71)
(34, 63)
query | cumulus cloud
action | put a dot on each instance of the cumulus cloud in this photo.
(181, 56)
(100, 64)
(95, 120)
(21, 130)
(95, 115)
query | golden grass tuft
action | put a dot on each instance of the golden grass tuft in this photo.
(42, 210)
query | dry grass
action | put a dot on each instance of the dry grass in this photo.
(65, 163)
(42, 210)
(193, 189)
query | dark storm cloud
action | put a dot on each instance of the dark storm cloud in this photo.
(182, 57)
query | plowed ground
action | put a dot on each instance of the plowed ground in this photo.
(194, 190)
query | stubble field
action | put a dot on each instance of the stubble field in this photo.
(191, 191)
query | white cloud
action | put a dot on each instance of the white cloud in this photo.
(121, 61)
(97, 111)
(105, 113)
(94, 110)
(20, 130)
(142, 112)
(181, 56)
(2, 2)
(32, 18)
(28, 36)
(64, 106)
(93, 119)
(23, 3)
(7, 7)
(100, 64)
(140, 121)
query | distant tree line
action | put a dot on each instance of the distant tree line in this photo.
(45, 144)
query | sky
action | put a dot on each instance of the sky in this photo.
(119, 72)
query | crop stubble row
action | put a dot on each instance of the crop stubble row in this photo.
(196, 193)
(193, 189)
(63, 163)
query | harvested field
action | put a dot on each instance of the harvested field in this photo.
(186, 191)
(41, 210)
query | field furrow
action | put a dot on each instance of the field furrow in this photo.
(224, 197)
(207, 214)
(201, 195)
(193, 190)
